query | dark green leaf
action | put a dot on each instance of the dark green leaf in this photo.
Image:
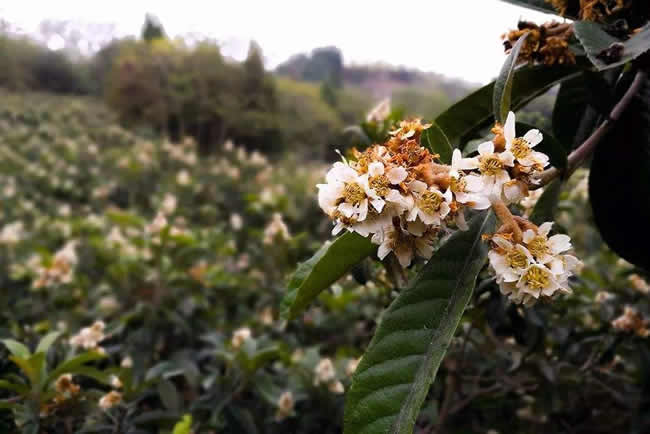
(324, 268)
(501, 98)
(619, 183)
(544, 210)
(434, 139)
(169, 395)
(403, 357)
(14, 387)
(469, 115)
(555, 150)
(604, 50)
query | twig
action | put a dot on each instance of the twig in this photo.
(578, 156)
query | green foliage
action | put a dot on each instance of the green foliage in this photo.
(327, 265)
(438, 143)
(502, 93)
(466, 117)
(604, 50)
(544, 210)
(402, 360)
(624, 156)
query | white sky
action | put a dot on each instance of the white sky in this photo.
(458, 38)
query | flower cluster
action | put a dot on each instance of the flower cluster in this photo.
(401, 196)
(547, 43)
(404, 199)
(90, 337)
(534, 266)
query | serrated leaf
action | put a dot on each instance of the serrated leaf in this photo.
(544, 210)
(403, 357)
(543, 6)
(327, 265)
(437, 142)
(604, 50)
(46, 342)
(550, 146)
(16, 348)
(619, 182)
(501, 98)
(474, 112)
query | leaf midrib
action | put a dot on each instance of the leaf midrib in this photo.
(421, 373)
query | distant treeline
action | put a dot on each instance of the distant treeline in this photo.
(179, 90)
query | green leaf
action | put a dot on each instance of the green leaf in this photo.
(604, 50)
(16, 348)
(184, 426)
(543, 6)
(47, 342)
(327, 265)
(619, 182)
(474, 112)
(438, 143)
(544, 210)
(555, 150)
(21, 389)
(169, 395)
(72, 366)
(32, 367)
(501, 98)
(403, 357)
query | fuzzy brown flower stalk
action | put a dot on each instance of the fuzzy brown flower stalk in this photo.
(547, 44)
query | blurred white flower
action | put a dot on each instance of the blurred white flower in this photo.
(183, 178)
(276, 229)
(240, 336)
(285, 406)
(89, 337)
(110, 400)
(236, 221)
(324, 372)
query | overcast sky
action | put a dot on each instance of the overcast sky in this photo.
(458, 38)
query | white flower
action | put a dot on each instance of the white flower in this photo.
(522, 147)
(380, 112)
(324, 372)
(169, 203)
(509, 261)
(285, 405)
(529, 202)
(236, 222)
(546, 249)
(405, 243)
(89, 337)
(183, 177)
(12, 233)
(467, 188)
(345, 196)
(240, 336)
(351, 366)
(493, 167)
(431, 205)
(127, 362)
(116, 382)
(157, 225)
(111, 399)
(276, 229)
(538, 280)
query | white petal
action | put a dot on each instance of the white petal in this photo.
(486, 148)
(512, 192)
(404, 256)
(375, 168)
(479, 201)
(416, 228)
(417, 186)
(533, 137)
(378, 204)
(383, 251)
(503, 243)
(460, 221)
(363, 210)
(529, 234)
(559, 243)
(413, 214)
(474, 183)
(545, 228)
(468, 163)
(456, 157)
(397, 175)
(509, 128)
(507, 158)
(337, 228)
(444, 209)
(447, 195)
(347, 209)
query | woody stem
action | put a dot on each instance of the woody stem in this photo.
(582, 152)
(506, 217)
